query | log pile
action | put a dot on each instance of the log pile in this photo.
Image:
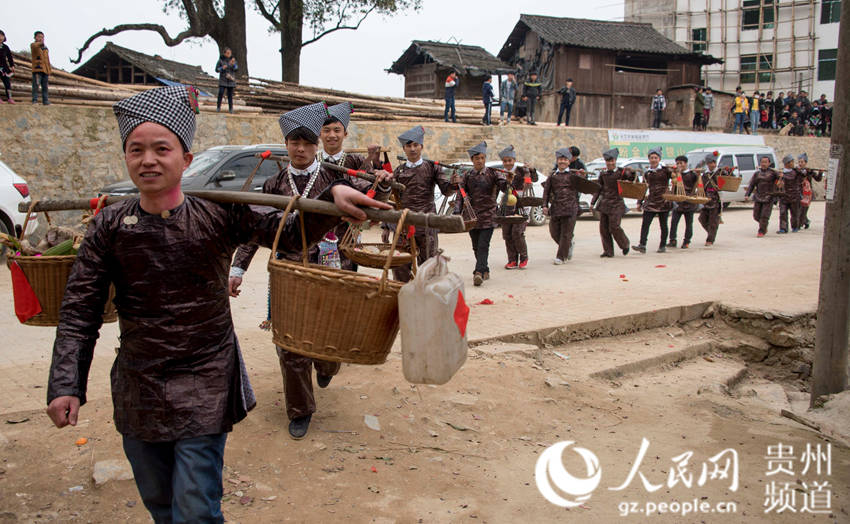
(255, 96)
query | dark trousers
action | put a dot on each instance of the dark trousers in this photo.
(179, 481)
(561, 230)
(689, 225)
(565, 110)
(481, 248)
(761, 214)
(426, 245)
(697, 124)
(297, 371)
(706, 114)
(709, 219)
(450, 106)
(804, 216)
(39, 78)
(648, 216)
(529, 117)
(229, 91)
(514, 236)
(656, 119)
(611, 231)
(792, 208)
(487, 111)
(7, 85)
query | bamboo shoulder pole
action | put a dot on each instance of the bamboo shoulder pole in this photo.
(442, 223)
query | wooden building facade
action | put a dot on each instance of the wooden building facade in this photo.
(118, 65)
(616, 67)
(425, 66)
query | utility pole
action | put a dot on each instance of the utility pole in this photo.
(829, 374)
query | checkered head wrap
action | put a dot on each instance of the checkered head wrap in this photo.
(311, 116)
(479, 149)
(611, 154)
(563, 152)
(414, 134)
(508, 152)
(173, 107)
(342, 112)
(804, 157)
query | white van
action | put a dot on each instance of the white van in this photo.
(745, 159)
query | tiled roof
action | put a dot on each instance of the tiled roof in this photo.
(466, 59)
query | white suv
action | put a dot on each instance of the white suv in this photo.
(745, 159)
(13, 191)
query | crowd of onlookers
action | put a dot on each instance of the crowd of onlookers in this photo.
(790, 111)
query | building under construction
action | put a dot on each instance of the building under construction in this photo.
(764, 44)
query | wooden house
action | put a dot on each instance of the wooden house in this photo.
(425, 66)
(118, 65)
(616, 67)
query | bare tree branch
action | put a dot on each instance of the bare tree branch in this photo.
(169, 41)
(261, 6)
(340, 26)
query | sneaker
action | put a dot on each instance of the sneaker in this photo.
(662, 249)
(486, 275)
(795, 230)
(298, 427)
(625, 251)
(760, 235)
(477, 279)
(523, 264)
(323, 380)
(511, 265)
(557, 261)
(806, 225)
(46, 103)
(685, 245)
(639, 249)
(12, 102)
(606, 255)
(709, 244)
(782, 232)
(672, 243)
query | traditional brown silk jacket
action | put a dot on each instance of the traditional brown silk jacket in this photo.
(560, 195)
(481, 189)
(178, 373)
(658, 180)
(419, 185)
(763, 183)
(610, 200)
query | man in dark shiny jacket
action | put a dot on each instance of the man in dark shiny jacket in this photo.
(657, 177)
(178, 382)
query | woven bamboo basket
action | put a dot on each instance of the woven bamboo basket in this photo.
(48, 277)
(584, 185)
(636, 190)
(369, 254)
(470, 219)
(332, 314)
(678, 192)
(528, 201)
(728, 183)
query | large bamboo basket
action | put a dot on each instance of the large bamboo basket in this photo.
(332, 314)
(635, 190)
(728, 183)
(48, 277)
(369, 254)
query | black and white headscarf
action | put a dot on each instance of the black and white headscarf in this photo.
(311, 116)
(342, 112)
(173, 107)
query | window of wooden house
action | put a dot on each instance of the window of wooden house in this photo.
(827, 59)
(584, 61)
(752, 65)
(698, 40)
(830, 11)
(757, 11)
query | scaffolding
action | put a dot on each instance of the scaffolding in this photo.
(785, 14)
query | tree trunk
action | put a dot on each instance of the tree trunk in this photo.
(230, 32)
(292, 16)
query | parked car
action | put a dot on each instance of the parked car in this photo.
(638, 165)
(13, 191)
(222, 168)
(535, 214)
(745, 159)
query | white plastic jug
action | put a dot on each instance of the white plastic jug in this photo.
(433, 315)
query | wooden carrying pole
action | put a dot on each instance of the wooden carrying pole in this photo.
(444, 224)
(333, 167)
(829, 373)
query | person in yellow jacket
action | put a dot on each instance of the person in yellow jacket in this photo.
(755, 113)
(40, 68)
(740, 108)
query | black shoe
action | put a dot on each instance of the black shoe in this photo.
(639, 249)
(625, 251)
(662, 249)
(807, 224)
(323, 380)
(298, 427)
(672, 242)
(606, 255)
(685, 245)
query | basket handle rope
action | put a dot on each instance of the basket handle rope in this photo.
(388, 263)
(283, 222)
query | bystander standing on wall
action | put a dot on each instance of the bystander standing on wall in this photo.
(778, 104)
(531, 94)
(451, 84)
(659, 104)
(755, 113)
(768, 105)
(40, 68)
(568, 98)
(708, 97)
(507, 94)
(699, 106)
(226, 69)
(740, 107)
(7, 67)
(487, 97)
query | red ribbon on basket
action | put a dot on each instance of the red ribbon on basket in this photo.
(619, 189)
(26, 303)
(371, 193)
(462, 192)
(266, 154)
(411, 230)
(527, 180)
(461, 314)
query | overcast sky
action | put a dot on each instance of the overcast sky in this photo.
(347, 60)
